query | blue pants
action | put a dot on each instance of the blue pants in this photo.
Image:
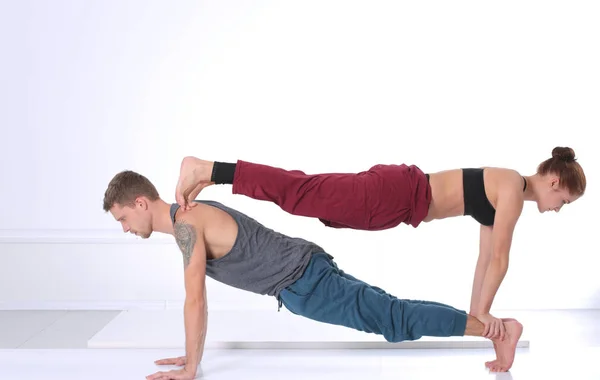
(325, 293)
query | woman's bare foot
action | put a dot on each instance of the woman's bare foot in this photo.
(505, 350)
(194, 175)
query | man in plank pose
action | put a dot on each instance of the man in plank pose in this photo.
(237, 250)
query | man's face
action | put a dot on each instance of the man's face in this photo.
(134, 219)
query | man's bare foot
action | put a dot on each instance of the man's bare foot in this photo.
(487, 364)
(505, 350)
(194, 175)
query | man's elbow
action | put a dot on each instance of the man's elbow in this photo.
(196, 299)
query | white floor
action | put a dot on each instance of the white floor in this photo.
(51, 329)
(52, 345)
(116, 364)
(258, 329)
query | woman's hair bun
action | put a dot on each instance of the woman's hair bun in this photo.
(563, 153)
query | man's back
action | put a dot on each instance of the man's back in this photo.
(243, 253)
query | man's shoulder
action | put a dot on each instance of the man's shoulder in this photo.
(193, 217)
(204, 212)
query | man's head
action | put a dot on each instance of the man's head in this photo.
(128, 198)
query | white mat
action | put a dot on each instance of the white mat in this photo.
(254, 330)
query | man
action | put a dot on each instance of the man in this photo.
(233, 248)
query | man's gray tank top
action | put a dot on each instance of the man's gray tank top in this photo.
(261, 260)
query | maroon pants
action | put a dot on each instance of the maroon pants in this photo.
(380, 198)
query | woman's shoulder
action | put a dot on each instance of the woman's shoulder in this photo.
(506, 182)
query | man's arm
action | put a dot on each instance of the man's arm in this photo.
(483, 262)
(191, 242)
(509, 208)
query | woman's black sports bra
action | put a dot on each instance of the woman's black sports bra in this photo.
(477, 205)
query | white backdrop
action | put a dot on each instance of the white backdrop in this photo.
(92, 88)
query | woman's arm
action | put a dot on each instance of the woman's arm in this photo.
(508, 210)
(485, 254)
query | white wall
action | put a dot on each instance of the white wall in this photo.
(315, 85)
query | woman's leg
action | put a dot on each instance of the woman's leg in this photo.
(338, 199)
(379, 198)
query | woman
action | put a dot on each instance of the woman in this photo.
(386, 195)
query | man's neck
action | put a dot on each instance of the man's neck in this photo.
(161, 217)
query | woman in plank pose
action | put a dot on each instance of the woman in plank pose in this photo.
(385, 196)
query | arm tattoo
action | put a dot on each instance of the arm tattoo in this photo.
(185, 235)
